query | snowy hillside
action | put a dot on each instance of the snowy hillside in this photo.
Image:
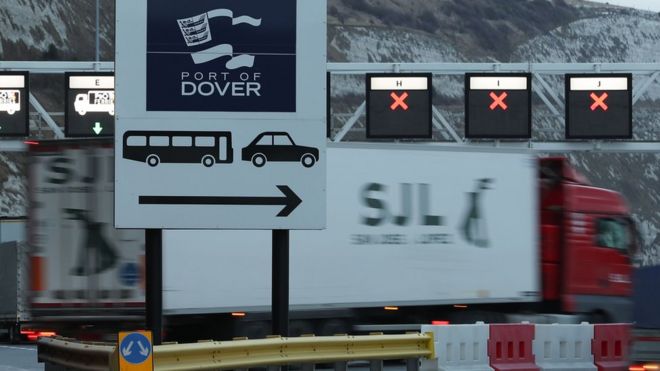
(405, 31)
(54, 30)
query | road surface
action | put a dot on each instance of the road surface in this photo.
(21, 357)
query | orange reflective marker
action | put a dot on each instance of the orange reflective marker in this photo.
(135, 351)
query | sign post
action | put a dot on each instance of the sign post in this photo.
(280, 290)
(220, 123)
(154, 289)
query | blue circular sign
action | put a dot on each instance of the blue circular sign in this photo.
(135, 348)
(129, 274)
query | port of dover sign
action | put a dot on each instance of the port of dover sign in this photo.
(220, 114)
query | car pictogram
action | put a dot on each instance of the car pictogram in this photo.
(278, 147)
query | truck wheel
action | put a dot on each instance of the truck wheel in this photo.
(14, 334)
(333, 327)
(598, 317)
(11, 111)
(254, 330)
(82, 112)
(300, 327)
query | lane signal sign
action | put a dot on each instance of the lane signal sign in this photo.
(399, 101)
(498, 101)
(599, 106)
(399, 105)
(599, 101)
(498, 105)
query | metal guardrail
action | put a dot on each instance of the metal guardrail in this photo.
(243, 354)
(76, 355)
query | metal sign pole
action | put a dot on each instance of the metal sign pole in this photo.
(154, 275)
(280, 289)
(98, 31)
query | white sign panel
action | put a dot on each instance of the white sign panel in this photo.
(220, 114)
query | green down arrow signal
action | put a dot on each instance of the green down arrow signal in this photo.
(97, 128)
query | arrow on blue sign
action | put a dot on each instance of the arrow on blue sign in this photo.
(135, 348)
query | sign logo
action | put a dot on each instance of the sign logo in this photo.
(197, 31)
(237, 57)
(474, 226)
(599, 101)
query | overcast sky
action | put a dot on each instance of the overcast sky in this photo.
(641, 4)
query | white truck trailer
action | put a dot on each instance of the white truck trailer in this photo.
(409, 227)
(415, 233)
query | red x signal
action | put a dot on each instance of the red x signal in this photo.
(399, 101)
(498, 101)
(599, 101)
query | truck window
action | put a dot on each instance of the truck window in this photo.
(613, 233)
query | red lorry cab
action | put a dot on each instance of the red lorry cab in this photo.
(587, 240)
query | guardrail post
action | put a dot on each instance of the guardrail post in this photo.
(341, 366)
(52, 367)
(412, 364)
(376, 365)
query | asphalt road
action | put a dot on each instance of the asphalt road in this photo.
(21, 357)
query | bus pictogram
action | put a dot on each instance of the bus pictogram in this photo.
(182, 147)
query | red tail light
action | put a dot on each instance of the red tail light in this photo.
(440, 323)
(34, 335)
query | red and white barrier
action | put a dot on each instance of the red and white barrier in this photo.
(458, 347)
(610, 347)
(564, 347)
(528, 347)
(510, 347)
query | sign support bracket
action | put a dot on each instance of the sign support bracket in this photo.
(351, 122)
(59, 134)
(445, 125)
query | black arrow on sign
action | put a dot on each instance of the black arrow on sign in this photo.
(290, 201)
